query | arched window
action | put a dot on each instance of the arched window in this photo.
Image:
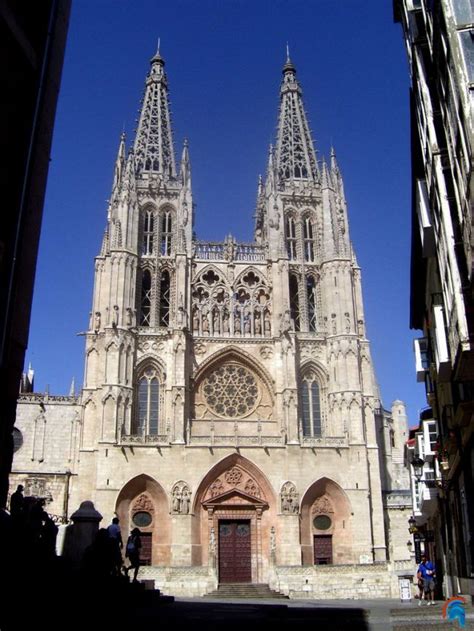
(166, 233)
(308, 240)
(291, 238)
(148, 232)
(147, 415)
(165, 299)
(311, 406)
(311, 295)
(294, 302)
(145, 305)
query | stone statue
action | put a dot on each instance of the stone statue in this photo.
(289, 499)
(225, 323)
(97, 321)
(205, 325)
(129, 317)
(247, 325)
(216, 323)
(176, 502)
(115, 316)
(196, 321)
(237, 324)
(185, 501)
(267, 324)
(258, 325)
(285, 322)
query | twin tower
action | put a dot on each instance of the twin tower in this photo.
(229, 407)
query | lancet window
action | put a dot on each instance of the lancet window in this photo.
(149, 403)
(311, 301)
(311, 405)
(145, 303)
(308, 240)
(166, 233)
(290, 229)
(148, 232)
(165, 298)
(294, 301)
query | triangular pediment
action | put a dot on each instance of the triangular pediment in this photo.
(234, 497)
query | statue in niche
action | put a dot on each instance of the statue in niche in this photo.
(129, 317)
(333, 316)
(196, 321)
(97, 321)
(205, 324)
(176, 501)
(237, 323)
(285, 322)
(115, 316)
(289, 499)
(216, 323)
(247, 324)
(185, 500)
(267, 323)
(258, 325)
(225, 323)
(360, 327)
(348, 322)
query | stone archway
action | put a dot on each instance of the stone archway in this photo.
(236, 499)
(142, 502)
(326, 525)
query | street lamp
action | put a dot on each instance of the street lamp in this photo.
(417, 464)
(412, 525)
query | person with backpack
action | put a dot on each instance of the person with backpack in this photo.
(132, 552)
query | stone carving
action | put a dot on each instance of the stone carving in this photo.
(143, 503)
(199, 348)
(289, 499)
(231, 391)
(216, 488)
(251, 488)
(266, 352)
(285, 322)
(348, 322)
(272, 539)
(180, 499)
(97, 321)
(233, 476)
(322, 506)
(37, 487)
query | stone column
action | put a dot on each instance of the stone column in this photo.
(81, 533)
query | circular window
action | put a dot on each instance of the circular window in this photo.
(17, 439)
(322, 522)
(142, 519)
(231, 391)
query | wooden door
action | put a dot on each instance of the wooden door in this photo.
(322, 549)
(234, 552)
(145, 550)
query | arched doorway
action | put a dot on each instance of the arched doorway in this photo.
(142, 503)
(326, 528)
(235, 510)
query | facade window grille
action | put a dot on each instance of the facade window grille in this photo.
(166, 234)
(165, 298)
(145, 306)
(148, 232)
(311, 294)
(148, 404)
(294, 302)
(308, 240)
(291, 238)
(311, 407)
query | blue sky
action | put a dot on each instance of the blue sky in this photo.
(224, 60)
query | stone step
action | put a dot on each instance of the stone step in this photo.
(244, 590)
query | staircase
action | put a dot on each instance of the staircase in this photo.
(230, 591)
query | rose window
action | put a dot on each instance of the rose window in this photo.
(231, 391)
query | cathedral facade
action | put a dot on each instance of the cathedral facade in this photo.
(229, 406)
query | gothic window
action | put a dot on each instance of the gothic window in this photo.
(311, 406)
(294, 302)
(231, 391)
(148, 231)
(291, 238)
(145, 305)
(147, 415)
(308, 240)
(166, 233)
(165, 288)
(311, 295)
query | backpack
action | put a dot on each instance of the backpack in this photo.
(130, 546)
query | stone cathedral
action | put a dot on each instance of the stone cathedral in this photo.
(229, 407)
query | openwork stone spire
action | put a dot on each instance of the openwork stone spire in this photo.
(295, 156)
(154, 151)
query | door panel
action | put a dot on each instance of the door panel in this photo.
(234, 552)
(322, 549)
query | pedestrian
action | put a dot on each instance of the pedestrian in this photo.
(17, 503)
(427, 573)
(115, 535)
(132, 552)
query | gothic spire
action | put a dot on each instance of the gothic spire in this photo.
(295, 155)
(154, 152)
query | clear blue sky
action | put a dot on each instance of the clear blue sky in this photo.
(224, 60)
